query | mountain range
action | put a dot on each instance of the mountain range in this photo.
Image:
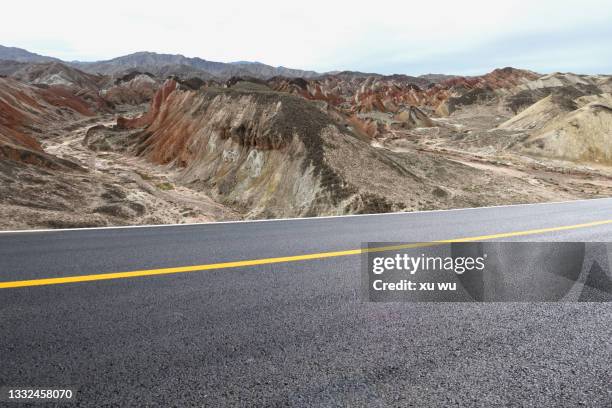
(21, 55)
(162, 64)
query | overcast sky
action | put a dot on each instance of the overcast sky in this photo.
(409, 37)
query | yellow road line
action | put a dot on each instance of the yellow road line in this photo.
(283, 259)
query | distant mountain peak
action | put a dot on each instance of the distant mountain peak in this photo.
(21, 55)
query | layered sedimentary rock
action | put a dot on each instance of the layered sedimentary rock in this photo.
(272, 154)
(227, 141)
(26, 112)
(134, 88)
(412, 118)
(365, 93)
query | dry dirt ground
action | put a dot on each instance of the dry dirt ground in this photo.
(469, 136)
(109, 189)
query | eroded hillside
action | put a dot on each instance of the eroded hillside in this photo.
(49, 179)
(270, 154)
(79, 149)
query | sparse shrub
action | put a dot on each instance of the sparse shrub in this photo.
(165, 186)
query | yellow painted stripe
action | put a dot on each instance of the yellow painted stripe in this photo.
(282, 259)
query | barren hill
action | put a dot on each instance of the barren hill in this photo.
(540, 113)
(584, 135)
(192, 140)
(365, 93)
(134, 88)
(271, 154)
(49, 179)
(55, 73)
(27, 111)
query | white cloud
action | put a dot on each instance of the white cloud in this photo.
(323, 35)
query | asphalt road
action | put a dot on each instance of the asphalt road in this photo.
(293, 333)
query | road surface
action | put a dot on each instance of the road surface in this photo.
(264, 331)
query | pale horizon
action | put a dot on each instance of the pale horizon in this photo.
(470, 38)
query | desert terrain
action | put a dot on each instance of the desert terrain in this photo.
(157, 139)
